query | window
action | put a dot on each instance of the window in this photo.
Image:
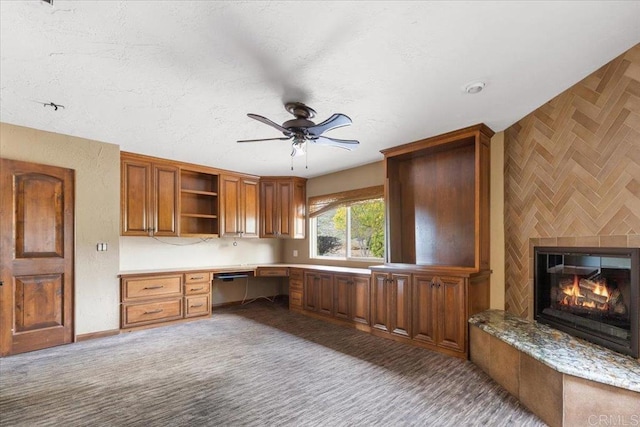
(348, 225)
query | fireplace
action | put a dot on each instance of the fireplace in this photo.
(591, 293)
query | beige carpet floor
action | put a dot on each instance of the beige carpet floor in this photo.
(253, 365)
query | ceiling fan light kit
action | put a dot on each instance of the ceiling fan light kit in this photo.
(301, 130)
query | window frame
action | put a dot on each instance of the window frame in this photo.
(319, 205)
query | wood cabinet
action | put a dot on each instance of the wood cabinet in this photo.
(391, 303)
(296, 288)
(156, 298)
(427, 307)
(150, 299)
(437, 306)
(149, 197)
(198, 202)
(164, 198)
(352, 297)
(283, 207)
(239, 202)
(437, 198)
(197, 294)
(318, 292)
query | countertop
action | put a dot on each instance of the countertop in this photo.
(561, 351)
(245, 267)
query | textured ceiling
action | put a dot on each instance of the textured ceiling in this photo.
(175, 79)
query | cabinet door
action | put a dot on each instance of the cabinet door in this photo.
(165, 200)
(452, 324)
(285, 207)
(250, 203)
(400, 307)
(311, 290)
(342, 293)
(231, 209)
(299, 209)
(268, 209)
(135, 194)
(325, 293)
(380, 302)
(425, 309)
(360, 299)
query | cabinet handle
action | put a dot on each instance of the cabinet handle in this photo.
(196, 277)
(197, 289)
(196, 306)
(153, 287)
(154, 311)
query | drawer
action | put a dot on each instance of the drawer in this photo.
(295, 274)
(151, 287)
(272, 272)
(295, 299)
(204, 276)
(197, 288)
(295, 285)
(152, 312)
(198, 305)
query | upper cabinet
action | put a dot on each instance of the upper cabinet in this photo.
(198, 202)
(437, 198)
(164, 198)
(239, 201)
(149, 197)
(283, 207)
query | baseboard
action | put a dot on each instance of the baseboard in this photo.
(101, 334)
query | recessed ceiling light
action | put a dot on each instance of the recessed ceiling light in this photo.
(474, 87)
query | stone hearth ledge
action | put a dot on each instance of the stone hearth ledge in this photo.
(561, 351)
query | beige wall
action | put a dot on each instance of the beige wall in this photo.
(97, 215)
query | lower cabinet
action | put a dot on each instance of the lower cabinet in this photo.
(391, 303)
(428, 308)
(342, 296)
(150, 299)
(296, 278)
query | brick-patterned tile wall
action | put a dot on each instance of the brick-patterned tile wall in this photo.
(572, 173)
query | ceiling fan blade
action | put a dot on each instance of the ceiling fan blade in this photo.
(347, 144)
(333, 122)
(265, 139)
(270, 123)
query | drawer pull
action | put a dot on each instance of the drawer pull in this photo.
(196, 306)
(154, 311)
(197, 289)
(153, 287)
(196, 277)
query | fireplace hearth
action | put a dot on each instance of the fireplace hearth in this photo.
(591, 293)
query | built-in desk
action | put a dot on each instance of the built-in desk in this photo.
(564, 380)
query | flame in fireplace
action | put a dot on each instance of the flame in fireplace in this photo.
(601, 289)
(590, 294)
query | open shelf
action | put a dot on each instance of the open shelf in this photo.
(198, 204)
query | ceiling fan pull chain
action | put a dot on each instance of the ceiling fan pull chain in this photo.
(306, 155)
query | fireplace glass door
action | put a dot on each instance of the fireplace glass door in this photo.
(589, 292)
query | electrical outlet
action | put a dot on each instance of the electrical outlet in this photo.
(295, 252)
(101, 247)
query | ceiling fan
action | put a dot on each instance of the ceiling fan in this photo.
(301, 129)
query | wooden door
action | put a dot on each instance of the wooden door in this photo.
(268, 209)
(425, 309)
(360, 299)
(380, 302)
(135, 189)
(231, 205)
(342, 294)
(250, 212)
(400, 307)
(452, 324)
(36, 225)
